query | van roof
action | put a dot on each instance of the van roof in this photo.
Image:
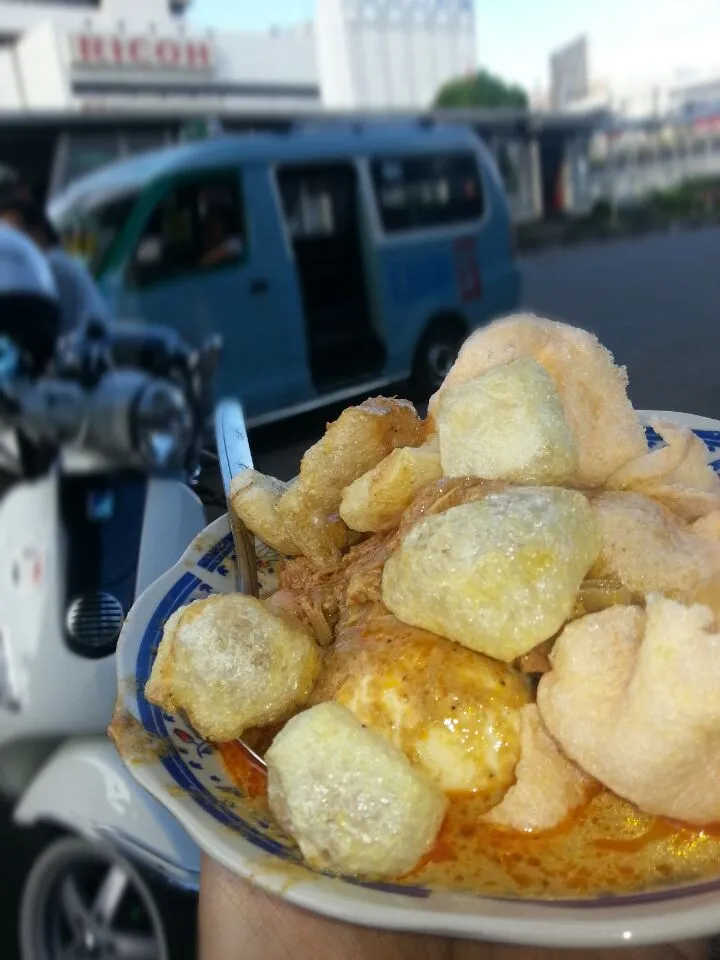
(299, 144)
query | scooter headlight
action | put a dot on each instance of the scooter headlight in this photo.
(163, 425)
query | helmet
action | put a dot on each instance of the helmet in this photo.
(29, 305)
(23, 267)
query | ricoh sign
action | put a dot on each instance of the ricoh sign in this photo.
(132, 53)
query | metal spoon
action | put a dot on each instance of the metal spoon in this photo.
(234, 456)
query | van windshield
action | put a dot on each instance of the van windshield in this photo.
(90, 231)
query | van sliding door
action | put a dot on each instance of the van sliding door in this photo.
(320, 205)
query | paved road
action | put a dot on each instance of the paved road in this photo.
(654, 302)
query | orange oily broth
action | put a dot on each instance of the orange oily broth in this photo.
(607, 847)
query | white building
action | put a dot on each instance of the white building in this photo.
(392, 53)
(102, 55)
(674, 94)
(698, 97)
(98, 55)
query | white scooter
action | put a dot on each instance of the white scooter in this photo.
(97, 504)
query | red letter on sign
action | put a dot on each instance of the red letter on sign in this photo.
(139, 52)
(117, 50)
(89, 49)
(168, 53)
(199, 56)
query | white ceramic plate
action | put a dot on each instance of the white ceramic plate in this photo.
(187, 776)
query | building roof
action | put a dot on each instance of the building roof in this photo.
(29, 141)
(482, 118)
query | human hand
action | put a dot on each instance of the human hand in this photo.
(240, 922)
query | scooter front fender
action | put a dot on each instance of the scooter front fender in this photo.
(85, 788)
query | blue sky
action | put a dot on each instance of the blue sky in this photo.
(631, 40)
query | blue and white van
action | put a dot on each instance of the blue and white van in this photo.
(333, 261)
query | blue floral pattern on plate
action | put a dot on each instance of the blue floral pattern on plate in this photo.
(191, 761)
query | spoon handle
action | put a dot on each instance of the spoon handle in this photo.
(234, 454)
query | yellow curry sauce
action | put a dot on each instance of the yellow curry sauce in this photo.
(607, 848)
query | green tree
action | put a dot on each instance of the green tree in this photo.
(482, 89)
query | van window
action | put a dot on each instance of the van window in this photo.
(414, 193)
(315, 200)
(322, 211)
(199, 225)
(91, 234)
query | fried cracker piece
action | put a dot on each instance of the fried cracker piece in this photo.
(708, 526)
(592, 388)
(446, 493)
(230, 664)
(678, 475)
(634, 699)
(253, 499)
(321, 536)
(548, 786)
(499, 576)
(507, 424)
(593, 596)
(648, 549)
(350, 798)
(377, 500)
(356, 442)
(340, 591)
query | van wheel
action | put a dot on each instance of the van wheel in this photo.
(85, 901)
(435, 355)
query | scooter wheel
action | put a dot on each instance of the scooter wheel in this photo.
(88, 902)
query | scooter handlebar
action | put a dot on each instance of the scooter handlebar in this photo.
(150, 418)
(128, 415)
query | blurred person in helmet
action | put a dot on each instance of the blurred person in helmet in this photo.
(30, 310)
(30, 319)
(79, 298)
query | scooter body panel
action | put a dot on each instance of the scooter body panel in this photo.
(46, 688)
(85, 788)
(174, 516)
